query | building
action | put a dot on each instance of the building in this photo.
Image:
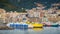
(2, 15)
(34, 19)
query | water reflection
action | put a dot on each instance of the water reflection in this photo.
(37, 29)
(45, 30)
(26, 32)
(32, 30)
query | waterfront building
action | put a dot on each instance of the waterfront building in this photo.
(34, 19)
(2, 15)
(22, 17)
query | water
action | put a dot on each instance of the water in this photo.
(45, 30)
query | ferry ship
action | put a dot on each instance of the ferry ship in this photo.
(25, 25)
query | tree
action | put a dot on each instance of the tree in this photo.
(6, 3)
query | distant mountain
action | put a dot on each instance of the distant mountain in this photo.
(28, 4)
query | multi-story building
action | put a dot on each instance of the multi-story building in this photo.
(2, 15)
(36, 13)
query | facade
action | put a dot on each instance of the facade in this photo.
(34, 19)
(34, 15)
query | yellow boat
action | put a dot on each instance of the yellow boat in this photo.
(35, 25)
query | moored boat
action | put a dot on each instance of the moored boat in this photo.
(52, 25)
(18, 25)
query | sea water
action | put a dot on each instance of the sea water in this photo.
(45, 30)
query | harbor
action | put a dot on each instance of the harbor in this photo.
(29, 17)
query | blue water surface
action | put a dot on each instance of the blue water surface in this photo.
(45, 30)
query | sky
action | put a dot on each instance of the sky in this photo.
(27, 4)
